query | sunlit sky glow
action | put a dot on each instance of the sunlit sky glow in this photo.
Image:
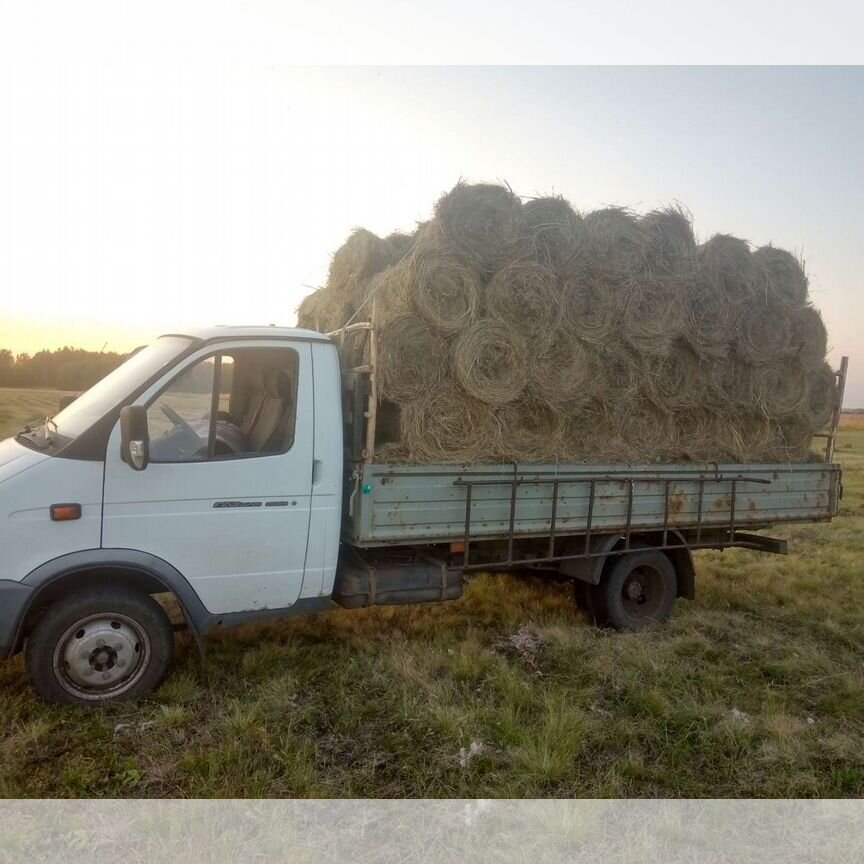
(137, 200)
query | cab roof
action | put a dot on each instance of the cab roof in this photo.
(223, 332)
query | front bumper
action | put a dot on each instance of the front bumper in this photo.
(14, 599)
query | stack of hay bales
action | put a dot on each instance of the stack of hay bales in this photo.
(533, 333)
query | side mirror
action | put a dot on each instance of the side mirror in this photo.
(66, 401)
(134, 439)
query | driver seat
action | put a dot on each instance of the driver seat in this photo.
(269, 430)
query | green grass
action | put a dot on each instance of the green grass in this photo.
(754, 689)
(19, 407)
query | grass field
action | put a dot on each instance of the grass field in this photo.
(754, 689)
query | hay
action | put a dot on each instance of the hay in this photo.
(490, 362)
(809, 338)
(563, 375)
(587, 311)
(652, 316)
(764, 334)
(779, 389)
(780, 277)
(611, 242)
(361, 256)
(445, 291)
(526, 296)
(411, 359)
(443, 425)
(534, 333)
(669, 243)
(550, 231)
(481, 222)
(821, 397)
(531, 430)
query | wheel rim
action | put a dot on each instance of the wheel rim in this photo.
(101, 656)
(643, 593)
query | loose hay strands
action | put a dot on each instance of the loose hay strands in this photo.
(446, 292)
(443, 425)
(526, 295)
(550, 231)
(563, 375)
(531, 431)
(780, 277)
(481, 223)
(490, 362)
(411, 359)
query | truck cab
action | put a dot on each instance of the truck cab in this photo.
(208, 465)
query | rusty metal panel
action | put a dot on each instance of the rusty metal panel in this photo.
(408, 504)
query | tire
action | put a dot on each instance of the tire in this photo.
(79, 651)
(638, 591)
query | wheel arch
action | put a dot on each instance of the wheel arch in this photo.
(127, 567)
(591, 570)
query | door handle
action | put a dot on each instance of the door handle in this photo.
(317, 468)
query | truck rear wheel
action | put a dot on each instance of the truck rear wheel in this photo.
(100, 645)
(638, 590)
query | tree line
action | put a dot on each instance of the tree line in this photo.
(62, 369)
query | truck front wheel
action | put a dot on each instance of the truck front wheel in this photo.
(99, 645)
(638, 590)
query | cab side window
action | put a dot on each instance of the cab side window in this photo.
(229, 405)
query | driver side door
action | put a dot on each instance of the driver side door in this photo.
(230, 515)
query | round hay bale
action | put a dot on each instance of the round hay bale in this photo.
(490, 361)
(821, 397)
(361, 256)
(792, 439)
(809, 338)
(398, 246)
(674, 381)
(779, 389)
(481, 222)
(746, 436)
(611, 241)
(563, 374)
(530, 431)
(390, 290)
(551, 230)
(323, 310)
(763, 334)
(726, 264)
(411, 359)
(587, 309)
(728, 382)
(446, 292)
(780, 277)
(670, 246)
(526, 295)
(652, 315)
(638, 432)
(722, 282)
(443, 425)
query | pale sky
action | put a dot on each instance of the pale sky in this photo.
(136, 199)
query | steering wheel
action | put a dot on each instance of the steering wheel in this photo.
(177, 420)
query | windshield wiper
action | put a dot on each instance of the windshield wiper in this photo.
(49, 421)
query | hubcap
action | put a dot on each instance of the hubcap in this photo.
(642, 593)
(100, 655)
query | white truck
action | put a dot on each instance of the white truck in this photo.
(233, 468)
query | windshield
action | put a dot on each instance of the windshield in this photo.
(110, 392)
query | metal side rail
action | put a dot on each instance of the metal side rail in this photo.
(723, 535)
